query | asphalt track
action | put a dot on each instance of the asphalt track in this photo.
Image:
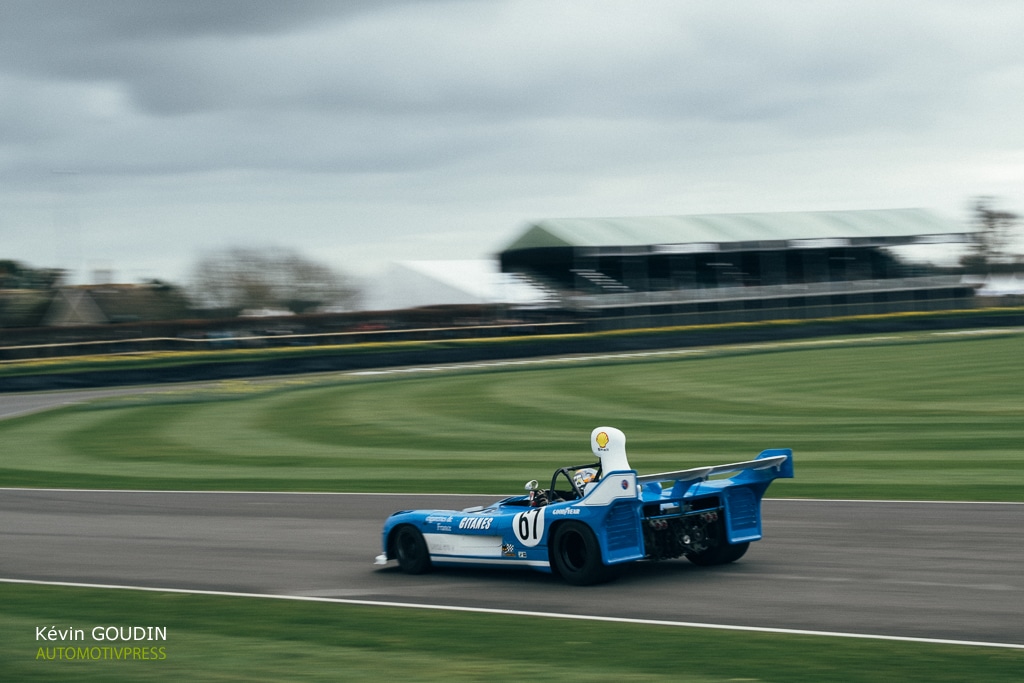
(13, 405)
(919, 570)
(946, 571)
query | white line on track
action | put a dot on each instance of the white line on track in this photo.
(249, 493)
(522, 613)
(628, 355)
(529, 361)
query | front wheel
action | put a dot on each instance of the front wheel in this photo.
(723, 553)
(411, 550)
(576, 555)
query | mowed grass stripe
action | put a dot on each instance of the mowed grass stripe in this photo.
(936, 420)
(219, 638)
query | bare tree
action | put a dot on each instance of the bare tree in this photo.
(994, 247)
(239, 278)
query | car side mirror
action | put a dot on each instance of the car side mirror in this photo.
(532, 485)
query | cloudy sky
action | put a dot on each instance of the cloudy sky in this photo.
(138, 135)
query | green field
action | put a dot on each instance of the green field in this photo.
(243, 639)
(921, 416)
(925, 416)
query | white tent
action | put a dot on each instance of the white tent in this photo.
(411, 284)
(1001, 285)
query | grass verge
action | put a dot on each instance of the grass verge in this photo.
(212, 638)
(884, 419)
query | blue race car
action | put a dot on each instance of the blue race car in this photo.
(594, 518)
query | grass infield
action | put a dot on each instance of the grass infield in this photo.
(937, 417)
(212, 638)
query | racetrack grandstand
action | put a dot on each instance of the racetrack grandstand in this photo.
(742, 267)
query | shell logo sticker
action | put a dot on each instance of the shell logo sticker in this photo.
(602, 439)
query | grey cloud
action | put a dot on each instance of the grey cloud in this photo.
(130, 20)
(531, 62)
(453, 106)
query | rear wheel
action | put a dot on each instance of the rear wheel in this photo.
(411, 550)
(576, 555)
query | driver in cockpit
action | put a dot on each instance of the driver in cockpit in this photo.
(582, 478)
(609, 445)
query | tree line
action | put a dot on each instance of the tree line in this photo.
(222, 283)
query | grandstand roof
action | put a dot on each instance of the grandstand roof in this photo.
(719, 232)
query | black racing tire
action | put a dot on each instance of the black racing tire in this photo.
(576, 555)
(724, 553)
(411, 550)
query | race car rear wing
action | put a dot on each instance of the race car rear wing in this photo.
(769, 465)
(703, 473)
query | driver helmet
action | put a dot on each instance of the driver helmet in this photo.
(584, 477)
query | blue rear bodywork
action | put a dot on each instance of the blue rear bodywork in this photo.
(634, 517)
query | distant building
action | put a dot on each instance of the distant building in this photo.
(749, 266)
(113, 303)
